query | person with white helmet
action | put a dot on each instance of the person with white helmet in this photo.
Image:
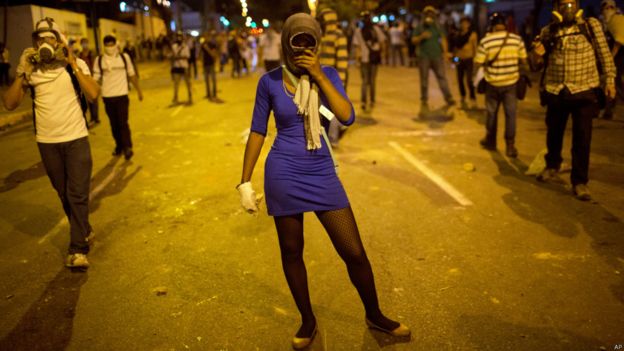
(59, 83)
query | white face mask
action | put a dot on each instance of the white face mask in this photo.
(110, 50)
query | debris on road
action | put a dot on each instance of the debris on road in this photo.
(539, 163)
(469, 167)
(160, 291)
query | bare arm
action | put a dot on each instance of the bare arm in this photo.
(252, 152)
(135, 82)
(88, 85)
(15, 94)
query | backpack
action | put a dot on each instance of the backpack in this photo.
(99, 62)
(79, 94)
(587, 31)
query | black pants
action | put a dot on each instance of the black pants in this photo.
(117, 111)
(4, 73)
(464, 75)
(68, 166)
(583, 107)
(210, 76)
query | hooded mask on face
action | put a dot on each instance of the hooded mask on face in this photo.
(300, 24)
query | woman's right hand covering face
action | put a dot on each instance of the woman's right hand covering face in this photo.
(295, 24)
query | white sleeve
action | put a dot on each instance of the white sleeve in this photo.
(130, 65)
(83, 67)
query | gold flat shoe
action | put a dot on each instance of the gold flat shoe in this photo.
(401, 330)
(302, 343)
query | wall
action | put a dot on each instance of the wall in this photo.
(149, 26)
(123, 31)
(21, 22)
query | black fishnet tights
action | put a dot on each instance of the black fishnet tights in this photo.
(344, 234)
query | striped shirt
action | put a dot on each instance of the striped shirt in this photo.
(334, 46)
(505, 70)
(572, 63)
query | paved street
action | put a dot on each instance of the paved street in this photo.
(483, 259)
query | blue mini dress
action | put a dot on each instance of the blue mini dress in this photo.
(296, 180)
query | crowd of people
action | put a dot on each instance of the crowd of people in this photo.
(306, 73)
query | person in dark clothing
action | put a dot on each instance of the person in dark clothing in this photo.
(464, 47)
(88, 56)
(570, 86)
(210, 55)
(234, 54)
(4, 65)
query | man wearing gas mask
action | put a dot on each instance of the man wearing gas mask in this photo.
(59, 83)
(432, 51)
(571, 49)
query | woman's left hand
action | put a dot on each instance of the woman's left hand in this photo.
(310, 62)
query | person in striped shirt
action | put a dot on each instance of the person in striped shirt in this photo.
(333, 53)
(571, 49)
(502, 53)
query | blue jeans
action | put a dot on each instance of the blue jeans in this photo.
(68, 166)
(437, 65)
(369, 77)
(494, 96)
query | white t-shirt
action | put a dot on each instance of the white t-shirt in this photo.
(115, 78)
(396, 36)
(183, 53)
(271, 47)
(58, 114)
(358, 40)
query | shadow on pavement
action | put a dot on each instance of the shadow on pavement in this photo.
(111, 186)
(14, 179)
(376, 340)
(554, 208)
(48, 323)
(490, 333)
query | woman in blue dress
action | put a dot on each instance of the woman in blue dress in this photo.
(299, 171)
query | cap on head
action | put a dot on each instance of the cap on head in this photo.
(607, 3)
(110, 39)
(430, 10)
(497, 18)
(48, 28)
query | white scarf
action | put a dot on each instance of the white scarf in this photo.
(307, 101)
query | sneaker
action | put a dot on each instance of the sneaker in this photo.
(77, 260)
(128, 153)
(549, 175)
(217, 100)
(511, 151)
(487, 144)
(581, 191)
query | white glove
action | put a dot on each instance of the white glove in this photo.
(25, 66)
(248, 197)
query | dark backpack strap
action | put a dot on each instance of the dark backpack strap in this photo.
(123, 58)
(79, 94)
(32, 97)
(99, 62)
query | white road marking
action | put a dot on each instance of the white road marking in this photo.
(434, 133)
(94, 192)
(176, 111)
(434, 177)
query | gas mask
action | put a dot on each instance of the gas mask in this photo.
(47, 53)
(567, 14)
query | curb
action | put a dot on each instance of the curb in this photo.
(14, 119)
